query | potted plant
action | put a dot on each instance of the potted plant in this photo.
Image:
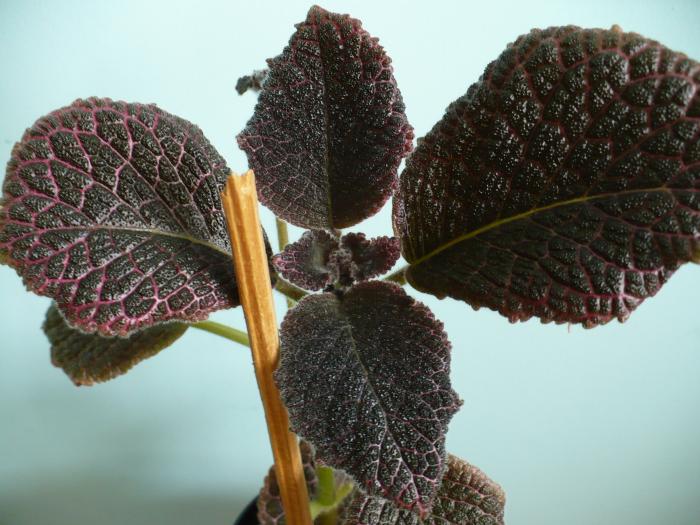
(563, 185)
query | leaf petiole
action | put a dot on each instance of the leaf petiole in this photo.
(328, 496)
(398, 277)
(222, 330)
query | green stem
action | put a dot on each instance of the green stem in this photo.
(282, 242)
(292, 292)
(325, 491)
(282, 233)
(224, 331)
(328, 496)
(398, 277)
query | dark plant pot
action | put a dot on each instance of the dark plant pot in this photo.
(249, 516)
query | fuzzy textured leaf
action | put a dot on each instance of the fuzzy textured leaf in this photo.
(305, 262)
(329, 129)
(565, 184)
(90, 358)
(318, 260)
(360, 259)
(466, 497)
(270, 511)
(365, 377)
(113, 210)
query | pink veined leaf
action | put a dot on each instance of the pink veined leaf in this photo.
(365, 377)
(565, 184)
(360, 259)
(329, 129)
(305, 262)
(113, 210)
(270, 510)
(318, 259)
(466, 497)
(91, 358)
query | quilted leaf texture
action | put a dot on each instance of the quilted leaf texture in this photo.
(365, 377)
(466, 497)
(305, 262)
(329, 128)
(270, 511)
(90, 358)
(318, 259)
(565, 184)
(113, 210)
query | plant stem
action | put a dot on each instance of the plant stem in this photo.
(282, 242)
(325, 493)
(292, 292)
(240, 204)
(222, 330)
(398, 277)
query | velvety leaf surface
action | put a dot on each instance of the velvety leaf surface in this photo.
(318, 260)
(305, 262)
(365, 378)
(329, 129)
(565, 184)
(466, 497)
(113, 210)
(360, 259)
(91, 358)
(270, 511)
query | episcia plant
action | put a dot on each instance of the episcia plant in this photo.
(564, 185)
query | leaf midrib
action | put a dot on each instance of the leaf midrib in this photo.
(349, 327)
(326, 128)
(102, 227)
(520, 216)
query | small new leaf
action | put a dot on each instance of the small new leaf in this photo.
(305, 262)
(565, 184)
(318, 260)
(365, 377)
(91, 358)
(466, 497)
(366, 258)
(113, 210)
(270, 510)
(329, 129)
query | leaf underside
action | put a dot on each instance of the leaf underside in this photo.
(365, 378)
(466, 497)
(91, 358)
(329, 129)
(113, 210)
(318, 259)
(565, 184)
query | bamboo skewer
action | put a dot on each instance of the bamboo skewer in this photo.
(240, 205)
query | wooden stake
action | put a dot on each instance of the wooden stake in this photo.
(240, 205)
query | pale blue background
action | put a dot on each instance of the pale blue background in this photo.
(580, 427)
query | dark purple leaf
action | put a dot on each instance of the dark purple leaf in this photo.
(365, 378)
(305, 262)
(270, 511)
(360, 259)
(565, 184)
(113, 210)
(329, 129)
(318, 260)
(91, 358)
(466, 497)
(251, 82)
